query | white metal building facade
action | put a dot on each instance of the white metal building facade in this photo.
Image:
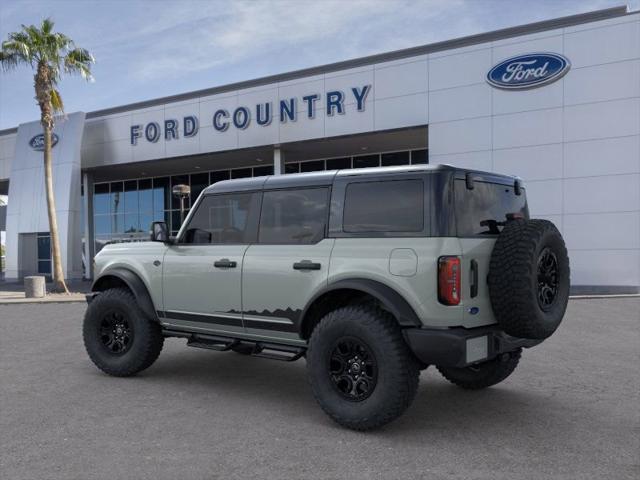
(574, 139)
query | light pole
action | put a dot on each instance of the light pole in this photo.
(182, 192)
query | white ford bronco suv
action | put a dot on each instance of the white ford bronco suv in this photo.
(369, 274)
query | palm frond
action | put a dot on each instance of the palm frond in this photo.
(79, 61)
(16, 50)
(20, 37)
(63, 42)
(9, 61)
(34, 34)
(16, 47)
(47, 26)
(56, 101)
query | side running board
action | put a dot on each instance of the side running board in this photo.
(273, 351)
(220, 344)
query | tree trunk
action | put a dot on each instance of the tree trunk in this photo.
(43, 86)
(59, 284)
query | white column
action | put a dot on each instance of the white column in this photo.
(87, 185)
(278, 161)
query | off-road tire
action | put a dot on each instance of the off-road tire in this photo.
(397, 370)
(514, 278)
(484, 374)
(147, 339)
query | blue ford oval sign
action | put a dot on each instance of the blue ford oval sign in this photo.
(37, 142)
(528, 71)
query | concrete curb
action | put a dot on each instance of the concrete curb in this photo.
(73, 298)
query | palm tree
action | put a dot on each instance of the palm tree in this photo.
(50, 55)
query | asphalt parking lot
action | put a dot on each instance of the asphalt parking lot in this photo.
(570, 411)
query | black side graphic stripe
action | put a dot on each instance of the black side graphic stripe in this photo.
(196, 317)
(234, 322)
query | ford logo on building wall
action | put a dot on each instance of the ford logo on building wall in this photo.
(528, 71)
(37, 142)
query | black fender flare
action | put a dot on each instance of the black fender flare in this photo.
(135, 284)
(392, 300)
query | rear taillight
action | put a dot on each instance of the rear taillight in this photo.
(449, 280)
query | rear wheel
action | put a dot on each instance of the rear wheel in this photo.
(360, 369)
(119, 338)
(484, 374)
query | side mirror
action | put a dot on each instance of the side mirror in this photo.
(159, 232)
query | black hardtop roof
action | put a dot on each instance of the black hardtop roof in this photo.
(326, 178)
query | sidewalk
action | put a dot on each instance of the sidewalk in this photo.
(14, 293)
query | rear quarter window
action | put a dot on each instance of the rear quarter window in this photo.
(481, 211)
(384, 206)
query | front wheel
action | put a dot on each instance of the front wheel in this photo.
(360, 369)
(120, 339)
(484, 374)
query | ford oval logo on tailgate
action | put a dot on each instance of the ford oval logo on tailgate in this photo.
(37, 142)
(528, 71)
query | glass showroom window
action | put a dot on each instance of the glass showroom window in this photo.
(131, 208)
(395, 158)
(404, 157)
(116, 204)
(145, 205)
(101, 215)
(199, 181)
(419, 157)
(44, 253)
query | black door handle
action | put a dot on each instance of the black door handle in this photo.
(306, 265)
(224, 263)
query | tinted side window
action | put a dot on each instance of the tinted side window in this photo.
(479, 211)
(384, 206)
(294, 216)
(224, 219)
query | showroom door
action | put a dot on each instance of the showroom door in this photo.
(202, 271)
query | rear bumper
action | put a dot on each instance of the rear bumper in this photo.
(460, 347)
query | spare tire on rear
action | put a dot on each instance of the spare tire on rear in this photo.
(529, 278)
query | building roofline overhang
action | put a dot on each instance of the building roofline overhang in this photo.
(460, 42)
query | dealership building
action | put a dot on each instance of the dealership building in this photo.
(555, 102)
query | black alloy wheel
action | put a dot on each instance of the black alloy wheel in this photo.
(547, 279)
(116, 332)
(353, 369)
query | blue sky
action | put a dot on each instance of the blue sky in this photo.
(149, 49)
